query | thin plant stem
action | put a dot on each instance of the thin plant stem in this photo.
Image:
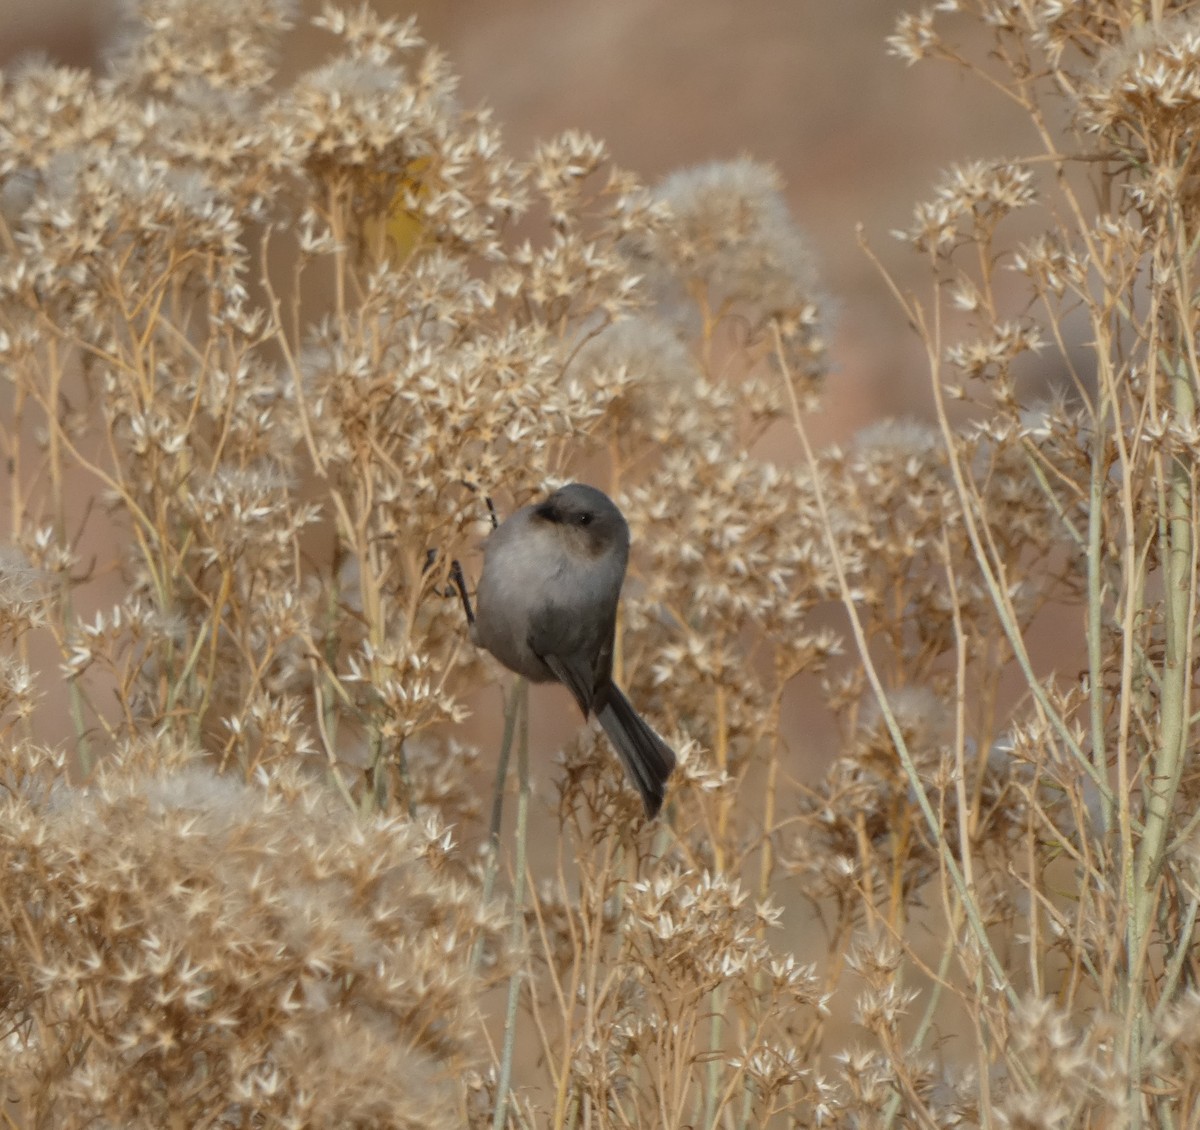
(493, 845)
(520, 697)
(978, 930)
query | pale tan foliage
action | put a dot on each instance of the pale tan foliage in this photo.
(181, 947)
(271, 346)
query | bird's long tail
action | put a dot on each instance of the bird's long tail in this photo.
(648, 760)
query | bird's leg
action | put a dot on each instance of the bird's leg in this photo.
(487, 498)
(458, 581)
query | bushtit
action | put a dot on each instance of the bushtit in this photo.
(547, 609)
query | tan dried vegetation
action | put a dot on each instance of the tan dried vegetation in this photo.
(267, 346)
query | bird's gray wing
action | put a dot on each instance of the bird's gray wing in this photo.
(578, 652)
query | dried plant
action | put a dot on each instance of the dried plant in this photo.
(269, 347)
(184, 949)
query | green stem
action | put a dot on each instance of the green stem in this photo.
(716, 1030)
(493, 846)
(1095, 608)
(1162, 782)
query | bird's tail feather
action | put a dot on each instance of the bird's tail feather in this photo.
(648, 760)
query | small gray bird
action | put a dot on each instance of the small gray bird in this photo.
(547, 609)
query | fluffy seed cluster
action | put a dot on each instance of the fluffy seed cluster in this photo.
(188, 948)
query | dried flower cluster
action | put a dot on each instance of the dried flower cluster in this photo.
(271, 346)
(187, 949)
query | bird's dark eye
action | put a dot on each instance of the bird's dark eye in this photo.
(585, 519)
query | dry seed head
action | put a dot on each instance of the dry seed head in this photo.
(1150, 74)
(993, 356)
(22, 594)
(915, 37)
(731, 239)
(369, 34)
(229, 44)
(252, 948)
(658, 394)
(969, 200)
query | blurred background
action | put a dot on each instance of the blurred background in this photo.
(858, 136)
